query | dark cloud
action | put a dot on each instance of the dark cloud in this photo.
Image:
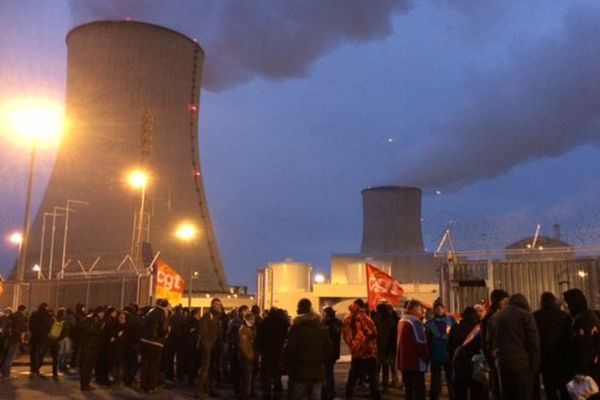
(544, 102)
(261, 38)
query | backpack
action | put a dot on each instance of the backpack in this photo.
(56, 330)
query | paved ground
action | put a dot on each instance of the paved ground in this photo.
(21, 386)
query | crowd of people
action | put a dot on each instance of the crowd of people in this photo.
(497, 349)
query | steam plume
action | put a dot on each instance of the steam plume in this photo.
(544, 103)
(260, 38)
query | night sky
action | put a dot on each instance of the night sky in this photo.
(495, 105)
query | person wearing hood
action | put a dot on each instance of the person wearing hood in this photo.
(554, 327)
(307, 350)
(516, 349)
(413, 351)
(360, 333)
(210, 334)
(499, 300)
(585, 337)
(387, 326)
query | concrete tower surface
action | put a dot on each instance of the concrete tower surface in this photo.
(132, 102)
(392, 220)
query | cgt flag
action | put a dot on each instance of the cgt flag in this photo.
(381, 286)
(169, 284)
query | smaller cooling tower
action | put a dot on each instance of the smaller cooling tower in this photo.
(392, 220)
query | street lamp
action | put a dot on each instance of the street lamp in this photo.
(138, 179)
(186, 232)
(38, 269)
(35, 122)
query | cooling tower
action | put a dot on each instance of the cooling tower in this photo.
(132, 101)
(391, 220)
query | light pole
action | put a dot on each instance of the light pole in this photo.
(138, 179)
(186, 232)
(34, 121)
(43, 239)
(52, 236)
(64, 249)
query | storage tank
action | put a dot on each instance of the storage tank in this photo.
(291, 276)
(132, 101)
(391, 220)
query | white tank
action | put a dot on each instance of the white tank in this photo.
(291, 276)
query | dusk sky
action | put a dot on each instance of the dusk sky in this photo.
(494, 104)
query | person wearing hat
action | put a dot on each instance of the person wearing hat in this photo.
(90, 329)
(154, 332)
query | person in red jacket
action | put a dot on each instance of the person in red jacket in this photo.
(413, 352)
(360, 333)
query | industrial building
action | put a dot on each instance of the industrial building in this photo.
(392, 241)
(132, 102)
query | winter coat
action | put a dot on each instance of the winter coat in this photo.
(516, 341)
(307, 350)
(387, 326)
(210, 330)
(18, 325)
(271, 334)
(90, 329)
(437, 337)
(118, 341)
(155, 328)
(412, 350)
(459, 352)
(334, 331)
(40, 323)
(246, 335)
(360, 333)
(585, 345)
(554, 327)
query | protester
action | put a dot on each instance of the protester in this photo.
(118, 342)
(307, 350)
(360, 333)
(584, 346)
(40, 323)
(90, 333)
(438, 328)
(233, 343)
(80, 315)
(16, 337)
(413, 351)
(173, 360)
(464, 342)
(209, 335)
(154, 332)
(386, 341)
(516, 349)
(554, 328)
(334, 330)
(247, 354)
(270, 340)
(499, 299)
(59, 331)
(134, 343)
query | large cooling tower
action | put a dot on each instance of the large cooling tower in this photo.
(391, 220)
(132, 100)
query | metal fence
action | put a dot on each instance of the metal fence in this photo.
(466, 283)
(117, 290)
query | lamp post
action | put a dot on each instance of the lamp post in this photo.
(138, 179)
(186, 232)
(34, 121)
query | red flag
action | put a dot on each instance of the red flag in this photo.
(381, 286)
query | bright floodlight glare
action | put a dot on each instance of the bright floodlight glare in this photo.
(582, 273)
(186, 231)
(138, 178)
(34, 119)
(36, 268)
(319, 278)
(16, 238)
